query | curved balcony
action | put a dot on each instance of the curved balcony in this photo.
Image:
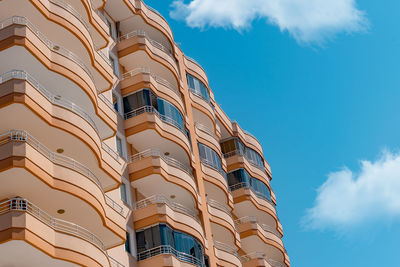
(259, 259)
(192, 65)
(202, 106)
(61, 41)
(166, 256)
(257, 236)
(227, 256)
(235, 160)
(55, 115)
(67, 182)
(54, 57)
(221, 215)
(248, 201)
(139, 78)
(146, 123)
(58, 233)
(139, 40)
(79, 23)
(160, 209)
(214, 175)
(152, 172)
(59, 239)
(148, 14)
(208, 137)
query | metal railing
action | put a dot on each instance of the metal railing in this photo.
(227, 248)
(23, 205)
(215, 204)
(207, 130)
(151, 109)
(110, 151)
(142, 33)
(157, 78)
(212, 165)
(248, 186)
(114, 262)
(157, 153)
(233, 153)
(56, 158)
(160, 199)
(55, 99)
(107, 102)
(261, 255)
(20, 20)
(253, 219)
(166, 249)
(72, 10)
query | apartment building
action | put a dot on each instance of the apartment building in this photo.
(113, 151)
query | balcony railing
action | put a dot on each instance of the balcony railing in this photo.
(20, 20)
(253, 219)
(23, 205)
(240, 153)
(56, 158)
(160, 199)
(212, 165)
(248, 186)
(142, 33)
(166, 249)
(261, 255)
(207, 130)
(20, 204)
(55, 99)
(215, 204)
(156, 153)
(151, 109)
(157, 78)
(227, 248)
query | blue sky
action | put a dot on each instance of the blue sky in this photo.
(319, 101)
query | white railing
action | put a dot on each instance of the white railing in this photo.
(55, 99)
(160, 199)
(157, 78)
(23, 205)
(215, 204)
(247, 185)
(157, 153)
(142, 33)
(261, 255)
(227, 248)
(212, 165)
(72, 10)
(207, 130)
(20, 204)
(166, 249)
(151, 109)
(56, 158)
(114, 262)
(110, 151)
(107, 102)
(20, 20)
(253, 219)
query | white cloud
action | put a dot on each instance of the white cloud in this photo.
(306, 20)
(348, 199)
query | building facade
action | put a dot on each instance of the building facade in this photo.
(113, 151)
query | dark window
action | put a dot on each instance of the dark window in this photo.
(128, 243)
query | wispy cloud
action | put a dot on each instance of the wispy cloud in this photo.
(306, 20)
(349, 199)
